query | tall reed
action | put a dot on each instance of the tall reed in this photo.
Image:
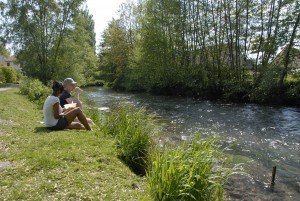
(197, 171)
(132, 129)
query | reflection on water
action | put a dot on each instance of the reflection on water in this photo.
(264, 136)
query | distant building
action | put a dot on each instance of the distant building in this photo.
(9, 61)
(224, 54)
(294, 64)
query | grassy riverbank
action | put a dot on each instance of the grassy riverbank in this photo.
(36, 164)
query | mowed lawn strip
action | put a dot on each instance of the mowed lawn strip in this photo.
(36, 164)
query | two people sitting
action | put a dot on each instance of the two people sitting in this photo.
(58, 118)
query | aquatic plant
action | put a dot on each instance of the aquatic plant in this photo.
(196, 171)
(132, 129)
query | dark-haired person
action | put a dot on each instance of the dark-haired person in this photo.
(55, 118)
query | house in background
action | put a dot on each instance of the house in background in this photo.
(9, 61)
(294, 64)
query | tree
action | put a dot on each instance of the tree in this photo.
(207, 46)
(4, 51)
(288, 50)
(113, 54)
(77, 55)
(39, 29)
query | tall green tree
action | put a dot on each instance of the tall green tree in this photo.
(113, 55)
(39, 31)
(77, 55)
(207, 46)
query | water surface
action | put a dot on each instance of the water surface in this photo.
(263, 137)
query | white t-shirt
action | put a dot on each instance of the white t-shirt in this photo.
(48, 111)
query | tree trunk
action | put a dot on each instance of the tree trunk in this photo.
(287, 55)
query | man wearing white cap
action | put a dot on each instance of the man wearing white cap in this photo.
(66, 97)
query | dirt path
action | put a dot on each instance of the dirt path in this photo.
(4, 146)
(8, 87)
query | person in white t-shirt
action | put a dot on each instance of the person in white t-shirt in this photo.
(56, 118)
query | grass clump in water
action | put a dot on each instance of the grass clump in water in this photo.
(132, 129)
(197, 171)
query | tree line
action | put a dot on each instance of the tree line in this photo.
(52, 39)
(210, 48)
(235, 50)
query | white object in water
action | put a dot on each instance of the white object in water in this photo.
(186, 138)
(104, 109)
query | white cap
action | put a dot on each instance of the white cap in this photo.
(69, 81)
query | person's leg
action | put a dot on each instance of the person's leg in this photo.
(90, 121)
(75, 125)
(77, 112)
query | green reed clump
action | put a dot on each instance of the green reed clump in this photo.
(197, 171)
(132, 129)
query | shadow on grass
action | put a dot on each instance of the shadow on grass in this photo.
(42, 130)
(137, 167)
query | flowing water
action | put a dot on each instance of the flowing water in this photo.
(262, 137)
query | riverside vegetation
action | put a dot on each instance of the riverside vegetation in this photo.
(195, 171)
(89, 165)
(242, 51)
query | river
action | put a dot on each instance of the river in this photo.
(262, 137)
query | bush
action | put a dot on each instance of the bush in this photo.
(132, 130)
(99, 83)
(8, 74)
(192, 172)
(237, 91)
(35, 90)
(2, 78)
(292, 93)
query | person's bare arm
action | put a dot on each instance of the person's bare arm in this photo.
(69, 100)
(78, 102)
(56, 111)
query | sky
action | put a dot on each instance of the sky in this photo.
(103, 11)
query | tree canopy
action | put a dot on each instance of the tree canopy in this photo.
(52, 39)
(205, 47)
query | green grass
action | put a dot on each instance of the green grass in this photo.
(60, 165)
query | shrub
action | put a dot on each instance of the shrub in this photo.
(266, 88)
(35, 90)
(132, 130)
(8, 74)
(2, 78)
(237, 91)
(92, 82)
(192, 172)
(292, 93)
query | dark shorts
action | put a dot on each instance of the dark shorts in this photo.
(61, 124)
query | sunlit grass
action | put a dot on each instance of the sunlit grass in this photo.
(59, 165)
